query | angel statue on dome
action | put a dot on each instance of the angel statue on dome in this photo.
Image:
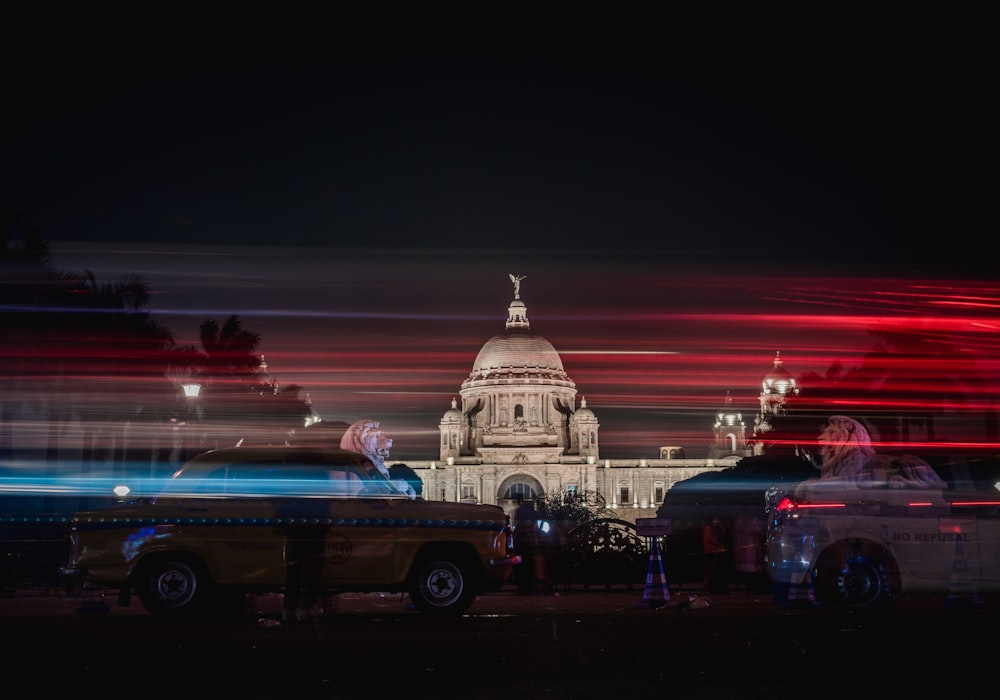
(516, 279)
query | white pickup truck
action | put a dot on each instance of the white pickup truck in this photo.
(863, 545)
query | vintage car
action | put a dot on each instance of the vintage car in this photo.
(867, 544)
(221, 526)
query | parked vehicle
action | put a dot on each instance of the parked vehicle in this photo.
(736, 496)
(863, 545)
(223, 525)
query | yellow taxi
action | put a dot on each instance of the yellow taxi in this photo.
(228, 522)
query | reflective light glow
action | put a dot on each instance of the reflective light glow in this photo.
(653, 353)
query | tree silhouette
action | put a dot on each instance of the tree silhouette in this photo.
(241, 403)
(916, 388)
(28, 282)
(112, 368)
(83, 356)
(229, 350)
(77, 351)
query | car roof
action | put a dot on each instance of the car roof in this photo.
(275, 471)
(225, 455)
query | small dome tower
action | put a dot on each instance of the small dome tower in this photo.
(452, 428)
(729, 433)
(583, 430)
(777, 387)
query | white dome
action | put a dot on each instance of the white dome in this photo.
(517, 354)
(517, 351)
(584, 414)
(779, 380)
(452, 415)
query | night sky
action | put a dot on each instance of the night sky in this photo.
(684, 197)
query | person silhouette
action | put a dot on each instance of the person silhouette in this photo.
(715, 543)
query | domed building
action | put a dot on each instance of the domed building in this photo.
(518, 403)
(518, 432)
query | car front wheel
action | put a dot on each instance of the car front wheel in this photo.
(172, 588)
(441, 588)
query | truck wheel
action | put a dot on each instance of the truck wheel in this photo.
(860, 584)
(441, 588)
(172, 587)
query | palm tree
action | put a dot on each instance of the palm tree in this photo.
(241, 400)
(74, 349)
(230, 351)
(114, 366)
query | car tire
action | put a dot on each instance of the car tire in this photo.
(442, 588)
(173, 587)
(861, 584)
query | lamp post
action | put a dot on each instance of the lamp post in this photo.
(192, 391)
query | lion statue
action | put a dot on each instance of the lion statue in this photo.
(366, 437)
(848, 457)
(844, 448)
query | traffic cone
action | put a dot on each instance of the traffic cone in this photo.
(886, 588)
(961, 589)
(802, 593)
(656, 593)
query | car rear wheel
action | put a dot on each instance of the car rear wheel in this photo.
(861, 583)
(442, 588)
(173, 587)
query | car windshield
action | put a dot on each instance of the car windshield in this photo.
(384, 486)
(268, 479)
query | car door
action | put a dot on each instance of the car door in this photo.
(360, 537)
(986, 511)
(922, 531)
(236, 520)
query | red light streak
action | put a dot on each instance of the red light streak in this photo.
(653, 353)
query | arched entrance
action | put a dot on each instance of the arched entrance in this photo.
(517, 489)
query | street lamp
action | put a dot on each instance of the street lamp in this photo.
(192, 391)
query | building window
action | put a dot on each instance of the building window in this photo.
(658, 492)
(468, 492)
(520, 492)
(571, 490)
(623, 494)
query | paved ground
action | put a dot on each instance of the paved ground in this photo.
(618, 600)
(580, 644)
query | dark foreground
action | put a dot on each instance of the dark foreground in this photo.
(608, 643)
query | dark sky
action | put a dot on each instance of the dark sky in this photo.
(774, 135)
(737, 171)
